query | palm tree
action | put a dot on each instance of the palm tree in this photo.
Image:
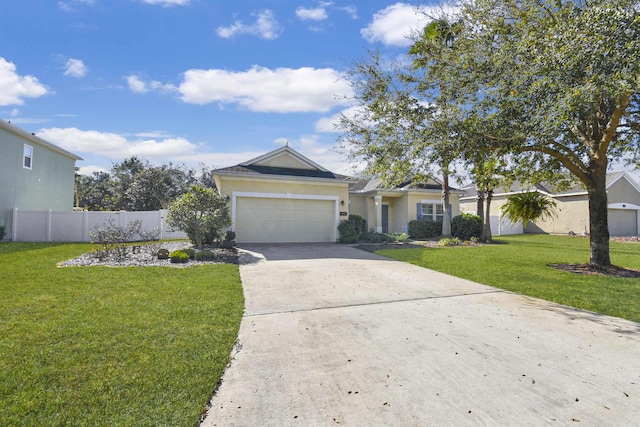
(528, 207)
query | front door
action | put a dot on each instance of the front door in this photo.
(385, 218)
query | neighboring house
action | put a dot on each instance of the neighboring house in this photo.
(623, 195)
(282, 196)
(35, 174)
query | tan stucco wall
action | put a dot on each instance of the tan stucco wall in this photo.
(573, 215)
(229, 185)
(358, 205)
(284, 161)
(401, 209)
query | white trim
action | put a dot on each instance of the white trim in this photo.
(431, 202)
(335, 199)
(24, 156)
(36, 140)
(287, 179)
(627, 206)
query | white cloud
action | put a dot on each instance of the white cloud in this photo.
(178, 150)
(75, 68)
(13, 87)
(117, 146)
(137, 85)
(90, 169)
(167, 2)
(266, 27)
(282, 90)
(394, 25)
(69, 6)
(313, 14)
(351, 10)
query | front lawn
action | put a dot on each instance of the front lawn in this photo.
(92, 346)
(520, 264)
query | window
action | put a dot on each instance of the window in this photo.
(28, 157)
(433, 211)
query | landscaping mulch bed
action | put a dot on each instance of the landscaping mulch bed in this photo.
(593, 270)
(145, 256)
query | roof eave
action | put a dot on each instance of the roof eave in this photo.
(276, 176)
(36, 140)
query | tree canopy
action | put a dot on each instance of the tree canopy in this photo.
(548, 87)
(136, 185)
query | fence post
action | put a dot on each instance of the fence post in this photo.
(85, 226)
(14, 225)
(160, 222)
(48, 225)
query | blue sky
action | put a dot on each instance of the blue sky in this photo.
(189, 81)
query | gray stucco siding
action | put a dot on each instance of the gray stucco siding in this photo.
(47, 185)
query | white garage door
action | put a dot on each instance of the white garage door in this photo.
(278, 220)
(623, 222)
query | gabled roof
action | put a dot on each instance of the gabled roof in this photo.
(372, 185)
(282, 162)
(285, 162)
(35, 140)
(282, 152)
(549, 189)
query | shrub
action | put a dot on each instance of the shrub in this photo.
(205, 256)
(190, 252)
(400, 237)
(150, 235)
(113, 238)
(466, 226)
(453, 241)
(348, 232)
(360, 222)
(3, 232)
(179, 256)
(201, 213)
(424, 228)
(230, 235)
(377, 238)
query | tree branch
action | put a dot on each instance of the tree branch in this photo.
(610, 131)
(573, 168)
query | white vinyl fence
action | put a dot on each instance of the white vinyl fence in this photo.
(56, 226)
(503, 227)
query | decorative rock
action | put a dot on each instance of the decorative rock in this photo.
(163, 254)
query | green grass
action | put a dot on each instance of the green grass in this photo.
(520, 264)
(95, 346)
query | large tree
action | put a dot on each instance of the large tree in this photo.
(558, 81)
(394, 127)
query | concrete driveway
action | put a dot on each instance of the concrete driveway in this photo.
(335, 336)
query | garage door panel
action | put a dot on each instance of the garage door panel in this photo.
(623, 222)
(267, 220)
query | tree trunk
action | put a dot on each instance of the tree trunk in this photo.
(486, 229)
(446, 220)
(480, 202)
(598, 223)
